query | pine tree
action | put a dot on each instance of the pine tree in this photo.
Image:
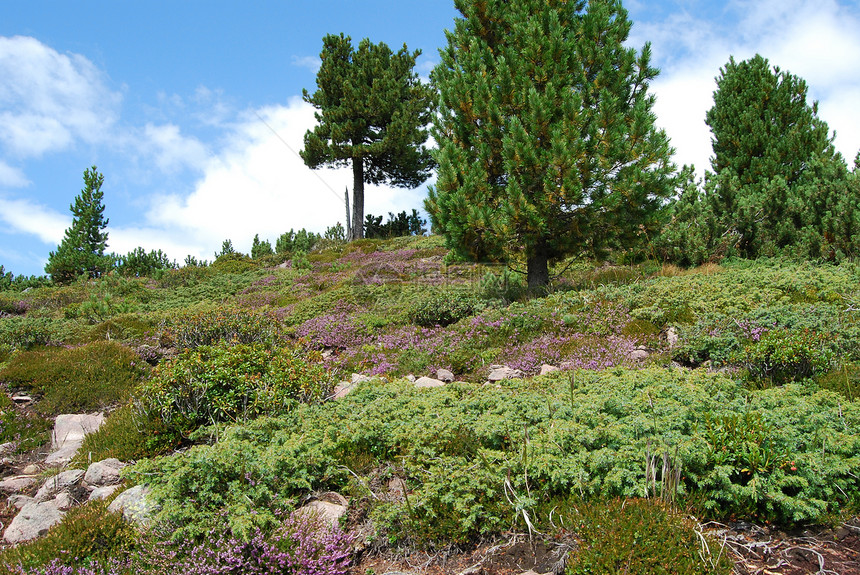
(82, 250)
(547, 143)
(372, 113)
(778, 185)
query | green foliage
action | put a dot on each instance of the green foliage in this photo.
(261, 249)
(11, 282)
(372, 110)
(139, 263)
(74, 380)
(785, 355)
(778, 186)
(27, 333)
(444, 308)
(86, 533)
(127, 434)
(547, 142)
(301, 241)
(209, 327)
(226, 249)
(229, 383)
(396, 226)
(82, 250)
(233, 263)
(28, 431)
(505, 286)
(641, 537)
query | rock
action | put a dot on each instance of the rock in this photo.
(33, 521)
(64, 501)
(444, 375)
(7, 448)
(135, 504)
(22, 399)
(359, 378)
(58, 483)
(411, 378)
(329, 508)
(105, 472)
(672, 337)
(69, 432)
(31, 469)
(342, 389)
(428, 382)
(501, 372)
(547, 368)
(103, 492)
(19, 501)
(640, 353)
(16, 484)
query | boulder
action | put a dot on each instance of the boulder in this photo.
(33, 521)
(502, 372)
(135, 504)
(547, 368)
(18, 501)
(64, 501)
(105, 472)
(672, 337)
(68, 435)
(31, 469)
(103, 492)
(428, 382)
(641, 353)
(17, 484)
(445, 375)
(330, 507)
(58, 483)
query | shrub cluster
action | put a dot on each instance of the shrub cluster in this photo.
(229, 383)
(209, 327)
(444, 308)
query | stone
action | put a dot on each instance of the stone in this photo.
(58, 483)
(7, 448)
(22, 399)
(640, 353)
(410, 378)
(330, 507)
(64, 501)
(135, 504)
(359, 378)
(69, 432)
(105, 472)
(31, 469)
(33, 521)
(428, 382)
(16, 484)
(547, 368)
(502, 372)
(445, 375)
(19, 501)
(103, 492)
(672, 337)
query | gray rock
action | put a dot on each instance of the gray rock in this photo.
(22, 399)
(19, 501)
(329, 508)
(103, 492)
(501, 372)
(672, 337)
(444, 375)
(638, 354)
(105, 472)
(411, 378)
(359, 378)
(31, 469)
(58, 483)
(16, 484)
(33, 521)
(64, 501)
(69, 432)
(428, 382)
(547, 368)
(135, 504)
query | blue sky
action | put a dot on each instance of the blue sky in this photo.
(183, 106)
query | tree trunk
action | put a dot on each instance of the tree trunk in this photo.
(357, 198)
(538, 270)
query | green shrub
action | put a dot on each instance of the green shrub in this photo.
(27, 430)
(209, 327)
(127, 434)
(845, 380)
(26, 333)
(233, 263)
(641, 537)
(444, 308)
(87, 378)
(784, 355)
(86, 533)
(228, 383)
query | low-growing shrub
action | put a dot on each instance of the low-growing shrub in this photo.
(786, 355)
(87, 534)
(228, 383)
(641, 537)
(79, 379)
(233, 263)
(444, 308)
(26, 430)
(191, 330)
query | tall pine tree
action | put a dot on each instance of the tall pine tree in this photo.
(373, 113)
(547, 143)
(82, 251)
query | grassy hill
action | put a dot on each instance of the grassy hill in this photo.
(724, 393)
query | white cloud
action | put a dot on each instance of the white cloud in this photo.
(12, 177)
(172, 151)
(48, 100)
(312, 63)
(23, 216)
(259, 185)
